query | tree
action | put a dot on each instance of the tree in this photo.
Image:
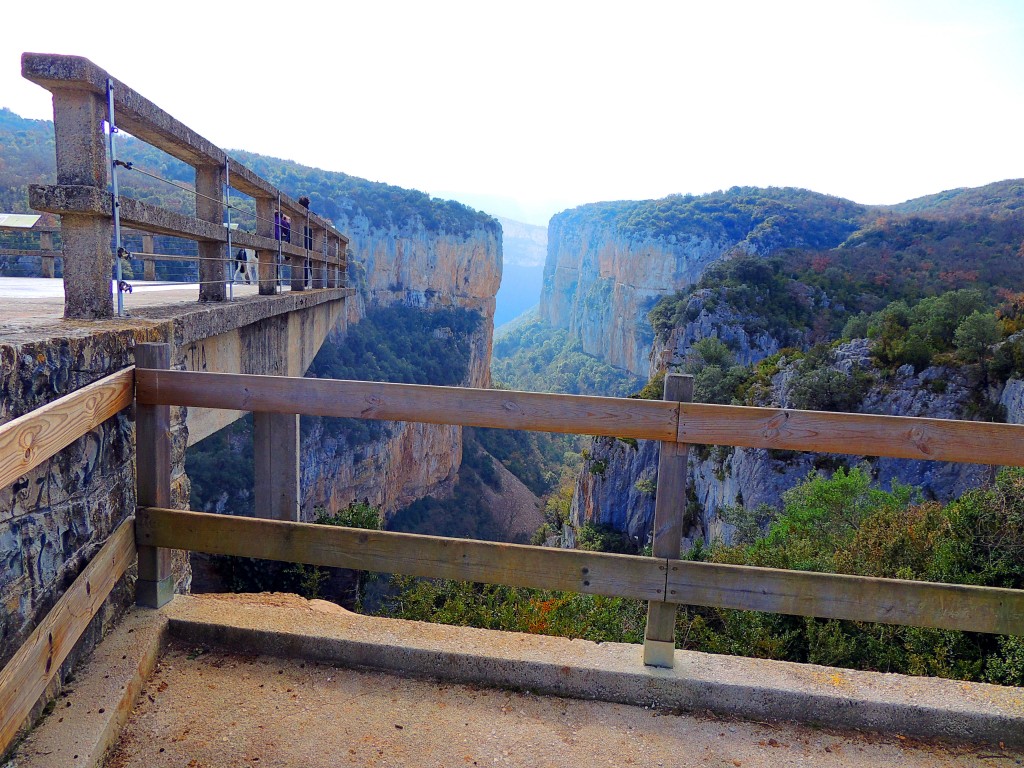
(975, 336)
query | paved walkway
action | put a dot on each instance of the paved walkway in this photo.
(42, 298)
(206, 708)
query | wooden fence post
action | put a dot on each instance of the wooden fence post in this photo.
(276, 465)
(669, 509)
(155, 585)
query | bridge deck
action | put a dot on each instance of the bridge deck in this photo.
(35, 305)
(275, 680)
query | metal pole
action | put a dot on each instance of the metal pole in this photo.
(115, 197)
(308, 269)
(227, 213)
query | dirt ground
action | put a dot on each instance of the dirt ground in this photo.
(205, 708)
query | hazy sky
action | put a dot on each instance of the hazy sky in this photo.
(527, 108)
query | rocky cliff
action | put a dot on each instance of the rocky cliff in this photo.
(608, 263)
(616, 486)
(410, 267)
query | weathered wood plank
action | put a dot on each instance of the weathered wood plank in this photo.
(903, 437)
(155, 585)
(669, 507)
(414, 555)
(651, 419)
(29, 440)
(29, 671)
(859, 598)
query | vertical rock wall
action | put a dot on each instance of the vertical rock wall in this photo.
(421, 269)
(600, 286)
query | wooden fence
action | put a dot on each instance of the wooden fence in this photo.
(663, 580)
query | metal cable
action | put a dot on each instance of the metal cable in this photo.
(132, 167)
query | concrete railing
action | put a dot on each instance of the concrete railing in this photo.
(663, 580)
(84, 96)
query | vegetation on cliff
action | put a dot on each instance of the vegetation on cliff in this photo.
(763, 219)
(535, 357)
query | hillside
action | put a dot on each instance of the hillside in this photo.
(609, 263)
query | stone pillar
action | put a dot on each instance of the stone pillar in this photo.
(298, 262)
(149, 265)
(265, 207)
(46, 259)
(82, 160)
(320, 258)
(276, 465)
(212, 266)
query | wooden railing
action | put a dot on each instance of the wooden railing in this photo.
(25, 443)
(663, 581)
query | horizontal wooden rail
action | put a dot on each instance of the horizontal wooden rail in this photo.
(858, 598)
(905, 437)
(29, 440)
(653, 419)
(902, 437)
(29, 671)
(572, 570)
(802, 593)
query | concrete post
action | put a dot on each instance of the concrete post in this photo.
(276, 465)
(267, 259)
(149, 265)
(46, 244)
(210, 207)
(155, 585)
(319, 258)
(82, 160)
(298, 263)
(669, 509)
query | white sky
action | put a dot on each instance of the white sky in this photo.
(527, 108)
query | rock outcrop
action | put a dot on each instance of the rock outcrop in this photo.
(720, 477)
(427, 270)
(600, 285)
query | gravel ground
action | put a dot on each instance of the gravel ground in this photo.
(207, 708)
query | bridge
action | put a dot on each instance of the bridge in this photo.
(99, 407)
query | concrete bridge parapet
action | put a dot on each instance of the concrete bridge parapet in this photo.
(84, 96)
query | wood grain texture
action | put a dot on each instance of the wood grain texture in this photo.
(904, 437)
(153, 479)
(859, 598)
(29, 440)
(618, 417)
(29, 671)
(669, 507)
(405, 553)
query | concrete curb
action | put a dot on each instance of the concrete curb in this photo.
(288, 626)
(87, 718)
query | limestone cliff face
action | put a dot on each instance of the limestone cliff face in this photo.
(600, 285)
(721, 477)
(429, 270)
